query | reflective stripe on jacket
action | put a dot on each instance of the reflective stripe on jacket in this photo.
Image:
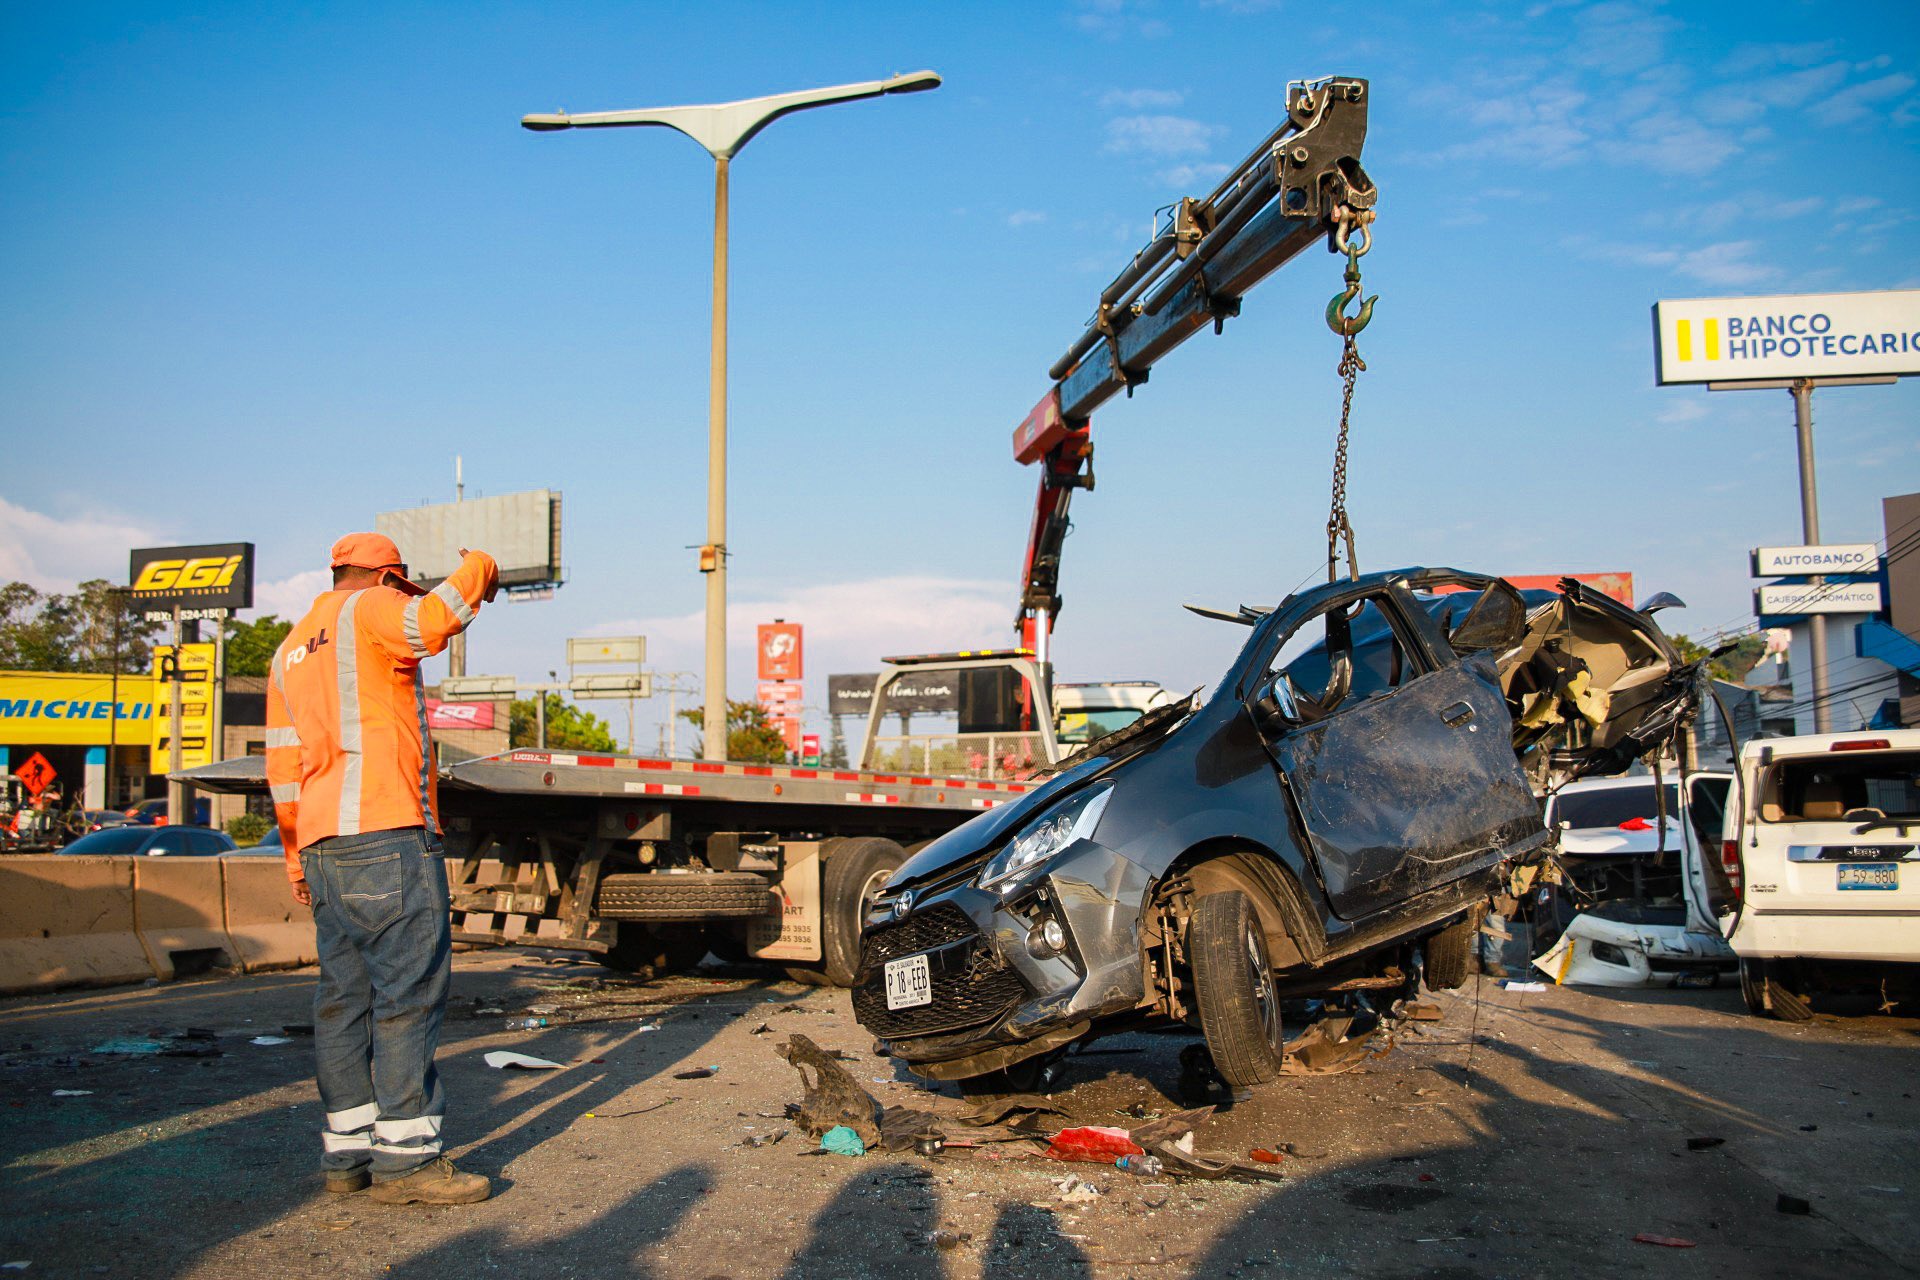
(347, 714)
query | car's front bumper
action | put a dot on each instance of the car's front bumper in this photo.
(993, 995)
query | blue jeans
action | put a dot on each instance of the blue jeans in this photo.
(380, 914)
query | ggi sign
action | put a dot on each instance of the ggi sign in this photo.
(219, 576)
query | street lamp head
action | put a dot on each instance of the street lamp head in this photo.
(913, 82)
(547, 124)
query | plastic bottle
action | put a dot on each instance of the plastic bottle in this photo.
(526, 1024)
(1145, 1166)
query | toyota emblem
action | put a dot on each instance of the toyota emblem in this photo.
(902, 905)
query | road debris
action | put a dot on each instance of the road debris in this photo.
(947, 1241)
(842, 1141)
(73, 1093)
(500, 1059)
(697, 1073)
(1093, 1144)
(1785, 1203)
(1704, 1144)
(1078, 1191)
(270, 1041)
(1665, 1242)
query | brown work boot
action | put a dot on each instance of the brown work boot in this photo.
(344, 1182)
(435, 1183)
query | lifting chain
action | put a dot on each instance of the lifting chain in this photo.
(1352, 237)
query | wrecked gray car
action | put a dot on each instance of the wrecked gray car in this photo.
(1331, 819)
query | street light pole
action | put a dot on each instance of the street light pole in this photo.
(722, 129)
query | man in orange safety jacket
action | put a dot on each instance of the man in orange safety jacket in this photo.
(352, 775)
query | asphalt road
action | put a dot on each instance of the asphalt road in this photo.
(1522, 1135)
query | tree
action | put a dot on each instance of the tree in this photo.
(77, 632)
(836, 757)
(251, 645)
(1731, 666)
(568, 727)
(750, 735)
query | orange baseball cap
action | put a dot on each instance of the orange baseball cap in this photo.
(375, 551)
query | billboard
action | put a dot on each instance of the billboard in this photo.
(192, 669)
(779, 649)
(930, 692)
(39, 708)
(211, 577)
(1839, 557)
(1793, 599)
(460, 715)
(1798, 335)
(1618, 585)
(520, 530)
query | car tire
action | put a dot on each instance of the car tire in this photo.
(1448, 954)
(1234, 987)
(857, 868)
(648, 951)
(658, 897)
(1768, 995)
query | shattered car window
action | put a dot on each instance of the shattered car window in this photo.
(1380, 663)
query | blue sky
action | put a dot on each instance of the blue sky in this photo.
(267, 269)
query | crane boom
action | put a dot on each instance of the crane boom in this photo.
(1300, 184)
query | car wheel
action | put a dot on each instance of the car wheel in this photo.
(1233, 982)
(857, 869)
(1764, 986)
(1449, 953)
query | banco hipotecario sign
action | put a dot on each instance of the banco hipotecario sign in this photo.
(1805, 335)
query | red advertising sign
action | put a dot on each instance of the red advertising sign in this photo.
(37, 775)
(789, 729)
(809, 748)
(1617, 585)
(775, 692)
(779, 651)
(459, 715)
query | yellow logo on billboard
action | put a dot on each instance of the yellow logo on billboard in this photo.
(186, 575)
(1710, 335)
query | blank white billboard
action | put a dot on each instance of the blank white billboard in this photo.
(520, 530)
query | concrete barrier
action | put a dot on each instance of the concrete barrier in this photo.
(179, 911)
(266, 927)
(67, 922)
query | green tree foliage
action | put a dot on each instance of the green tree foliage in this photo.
(836, 754)
(72, 632)
(568, 727)
(249, 828)
(1732, 665)
(251, 645)
(751, 737)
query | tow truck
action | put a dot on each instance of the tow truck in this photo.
(650, 863)
(1302, 185)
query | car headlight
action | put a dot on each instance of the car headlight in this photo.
(1072, 819)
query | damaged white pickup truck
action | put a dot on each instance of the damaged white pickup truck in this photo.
(1332, 818)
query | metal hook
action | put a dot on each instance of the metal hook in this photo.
(1337, 319)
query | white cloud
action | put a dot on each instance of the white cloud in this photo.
(1206, 173)
(54, 553)
(1140, 99)
(1160, 135)
(1025, 217)
(1728, 262)
(1680, 412)
(1859, 101)
(290, 598)
(1115, 18)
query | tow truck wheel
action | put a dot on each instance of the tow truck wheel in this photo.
(1233, 980)
(857, 869)
(1449, 954)
(1768, 995)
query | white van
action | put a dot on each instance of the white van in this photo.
(1823, 868)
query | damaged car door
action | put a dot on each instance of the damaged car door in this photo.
(1395, 751)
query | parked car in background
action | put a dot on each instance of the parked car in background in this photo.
(149, 813)
(1631, 908)
(131, 840)
(1822, 859)
(270, 843)
(1332, 818)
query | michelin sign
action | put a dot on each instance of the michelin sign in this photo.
(1807, 335)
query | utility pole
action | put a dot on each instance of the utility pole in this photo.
(1810, 530)
(457, 647)
(176, 791)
